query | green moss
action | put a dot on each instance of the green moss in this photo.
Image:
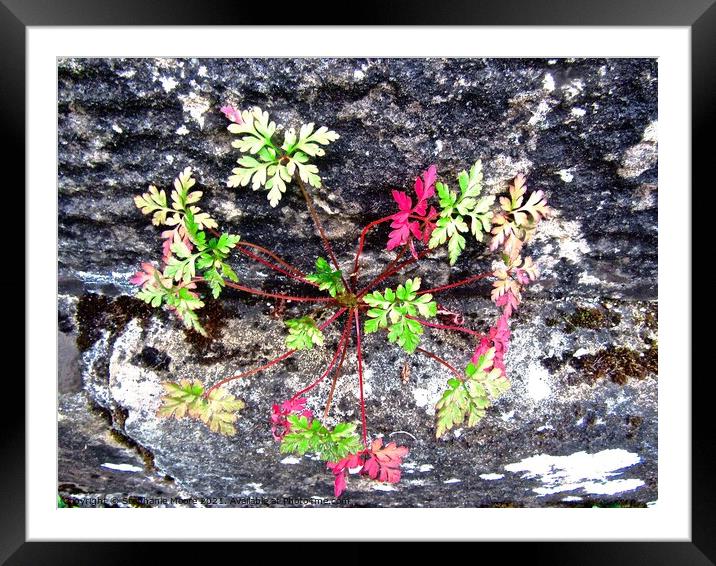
(593, 318)
(618, 364)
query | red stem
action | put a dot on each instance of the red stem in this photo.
(273, 256)
(317, 221)
(273, 362)
(341, 344)
(445, 327)
(276, 267)
(457, 284)
(335, 378)
(439, 359)
(274, 295)
(250, 372)
(359, 356)
(388, 272)
(361, 243)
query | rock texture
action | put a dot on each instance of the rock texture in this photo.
(579, 425)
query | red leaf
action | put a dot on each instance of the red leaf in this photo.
(280, 426)
(405, 203)
(143, 275)
(403, 228)
(384, 462)
(232, 114)
(339, 470)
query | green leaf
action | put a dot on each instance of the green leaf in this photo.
(268, 167)
(391, 310)
(327, 279)
(186, 399)
(303, 333)
(454, 207)
(469, 399)
(250, 171)
(308, 141)
(312, 436)
(154, 202)
(181, 398)
(219, 412)
(455, 247)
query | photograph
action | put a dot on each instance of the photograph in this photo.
(334, 282)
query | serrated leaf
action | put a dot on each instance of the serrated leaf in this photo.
(327, 278)
(181, 398)
(219, 412)
(303, 333)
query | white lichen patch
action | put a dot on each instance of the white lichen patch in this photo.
(182, 130)
(591, 473)
(452, 480)
(573, 89)
(492, 477)
(168, 83)
(122, 467)
(586, 278)
(508, 416)
(577, 112)
(203, 72)
(540, 113)
(566, 175)
(383, 487)
(196, 106)
(137, 389)
(425, 468)
(538, 387)
(291, 460)
(548, 82)
(567, 238)
(117, 128)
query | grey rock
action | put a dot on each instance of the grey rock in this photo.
(557, 438)
(584, 131)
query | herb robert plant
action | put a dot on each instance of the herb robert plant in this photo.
(196, 254)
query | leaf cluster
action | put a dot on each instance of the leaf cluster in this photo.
(270, 165)
(310, 435)
(468, 398)
(183, 201)
(327, 278)
(186, 399)
(188, 252)
(517, 222)
(303, 333)
(458, 208)
(392, 309)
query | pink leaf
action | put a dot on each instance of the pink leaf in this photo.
(232, 114)
(405, 203)
(384, 462)
(280, 426)
(339, 470)
(143, 275)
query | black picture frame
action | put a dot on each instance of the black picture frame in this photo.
(698, 15)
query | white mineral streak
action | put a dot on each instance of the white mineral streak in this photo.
(591, 473)
(122, 467)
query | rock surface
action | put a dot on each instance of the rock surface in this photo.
(579, 425)
(584, 131)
